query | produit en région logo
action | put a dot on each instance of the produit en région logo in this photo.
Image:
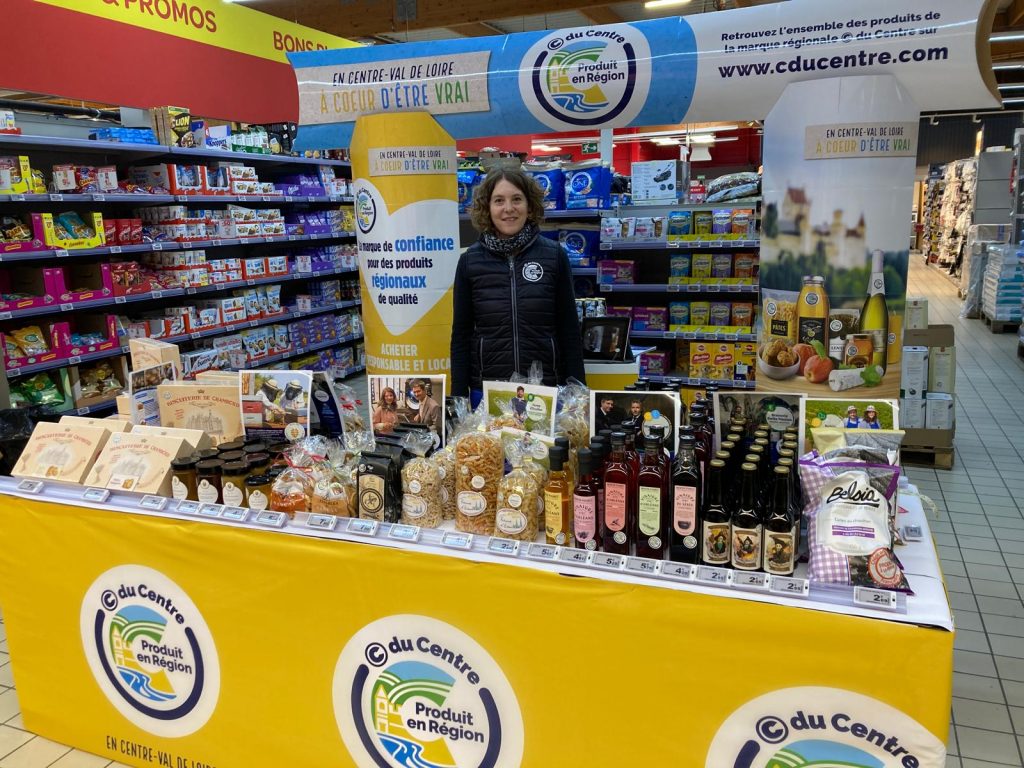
(150, 650)
(588, 76)
(414, 692)
(822, 727)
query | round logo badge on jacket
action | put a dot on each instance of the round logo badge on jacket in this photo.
(533, 271)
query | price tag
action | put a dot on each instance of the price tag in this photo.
(607, 561)
(158, 246)
(572, 555)
(82, 411)
(196, 335)
(8, 315)
(670, 335)
(605, 288)
(311, 198)
(457, 540)
(156, 294)
(96, 495)
(711, 575)
(56, 198)
(499, 546)
(120, 299)
(404, 532)
(253, 323)
(694, 288)
(99, 198)
(155, 503)
(17, 198)
(250, 282)
(63, 308)
(786, 585)
(542, 552)
(361, 527)
(322, 522)
(733, 288)
(749, 580)
(912, 533)
(115, 249)
(677, 571)
(211, 510)
(606, 246)
(712, 288)
(292, 238)
(674, 288)
(874, 598)
(60, 252)
(216, 242)
(30, 486)
(186, 245)
(236, 514)
(641, 565)
(271, 519)
(75, 360)
(188, 507)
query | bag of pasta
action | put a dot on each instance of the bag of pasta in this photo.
(519, 496)
(422, 484)
(479, 465)
(444, 460)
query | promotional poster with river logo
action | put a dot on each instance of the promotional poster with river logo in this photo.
(835, 241)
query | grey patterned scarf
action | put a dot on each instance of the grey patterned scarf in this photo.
(510, 246)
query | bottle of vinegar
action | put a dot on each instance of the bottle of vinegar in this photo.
(584, 504)
(652, 502)
(619, 497)
(557, 497)
(686, 503)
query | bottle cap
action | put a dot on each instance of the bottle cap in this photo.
(718, 464)
(687, 441)
(556, 458)
(618, 439)
(563, 442)
(781, 470)
(652, 442)
(584, 458)
(749, 467)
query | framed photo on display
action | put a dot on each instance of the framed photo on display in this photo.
(407, 400)
(608, 410)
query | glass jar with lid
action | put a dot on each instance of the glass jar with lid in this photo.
(208, 480)
(183, 478)
(234, 474)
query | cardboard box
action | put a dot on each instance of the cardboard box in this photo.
(942, 370)
(940, 412)
(137, 463)
(110, 425)
(913, 414)
(197, 440)
(145, 353)
(914, 373)
(915, 317)
(64, 452)
(661, 180)
(214, 409)
(932, 336)
(914, 438)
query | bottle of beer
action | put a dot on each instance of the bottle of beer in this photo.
(557, 500)
(687, 494)
(652, 502)
(619, 496)
(780, 541)
(747, 524)
(715, 519)
(585, 504)
(794, 500)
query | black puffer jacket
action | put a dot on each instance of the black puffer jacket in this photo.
(509, 314)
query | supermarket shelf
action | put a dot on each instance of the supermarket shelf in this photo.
(636, 208)
(583, 213)
(68, 197)
(50, 143)
(686, 245)
(64, 362)
(687, 382)
(663, 288)
(92, 410)
(221, 330)
(693, 336)
(269, 280)
(168, 246)
(346, 372)
(300, 351)
(584, 270)
(263, 198)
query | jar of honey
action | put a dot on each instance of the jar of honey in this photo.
(257, 491)
(183, 478)
(208, 480)
(233, 479)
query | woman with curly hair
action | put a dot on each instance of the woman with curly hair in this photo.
(385, 415)
(513, 299)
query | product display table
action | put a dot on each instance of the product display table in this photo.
(215, 636)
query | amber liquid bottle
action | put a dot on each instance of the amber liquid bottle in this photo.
(687, 485)
(747, 524)
(584, 504)
(619, 497)
(714, 540)
(557, 497)
(652, 502)
(780, 542)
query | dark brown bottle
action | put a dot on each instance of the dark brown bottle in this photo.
(747, 524)
(795, 503)
(619, 498)
(687, 495)
(715, 540)
(780, 542)
(652, 502)
(632, 454)
(599, 449)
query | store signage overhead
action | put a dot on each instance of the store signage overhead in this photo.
(731, 65)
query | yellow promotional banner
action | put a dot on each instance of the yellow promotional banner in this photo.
(407, 226)
(214, 22)
(160, 642)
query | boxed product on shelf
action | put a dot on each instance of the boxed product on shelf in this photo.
(746, 362)
(301, 184)
(650, 319)
(551, 179)
(939, 411)
(69, 231)
(913, 412)
(724, 360)
(85, 334)
(659, 180)
(20, 234)
(197, 439)
(16, 175)
(84, 282)
(914, 372)
(138, 463)
(701, 265)
(176, 179)
(616, 271)
(701, 360)
(679, 225)
(28, 345)
(745, 265)
(173, 126)
(679, 313)
(720, 313)
(588, 185)
(254, 268)
(63, 452)
(30, 288)
(145, 353)
(655, 363)
(742, 313)
(110, 426)
(700, 313)
(581, 243)
(98, 382)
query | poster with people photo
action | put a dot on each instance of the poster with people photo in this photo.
(398, 400)
(850, 414)
(642, 411)
(142, 386)
(275, 404)
(777, 410)
(531, 406)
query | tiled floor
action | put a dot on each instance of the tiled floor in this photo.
(979, 532)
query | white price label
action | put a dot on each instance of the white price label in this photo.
(457, 540)
(56, 198)
(8, 315)
(605, 288)
(115, 249)
(606, 246)
(745, 580)
(186, 245)
(499, 546)
(361, 527)
(572, 555)
(236, 514)
(677, 571)
(216, 242)
(60, 252)
(30, 486)
(711, 575)
(196, 335)
(675, 288)
(694, 287)
(913, 533)
(188, 508)
(99, 198)
(542, 552)
(158, 246)
(271, 519)
(17, 198)
(156, 503)
(712, 288)
(607, 561)
(322, 522)
(120, 299)
(75, 360)
(157, 294)
(96, 495)
(875, 598)
(404, 532)
(211, 510)
(641, 565)
(66, 307)
(787, 585)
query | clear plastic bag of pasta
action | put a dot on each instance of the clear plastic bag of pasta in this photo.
(479, 466)
(444, 460)
(518, 498)
(422, 484)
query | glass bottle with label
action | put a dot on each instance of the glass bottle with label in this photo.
(652, 502)
(687, 485)
(704, 444)
(794, 501)
(714, 540)
(584, 504)
(632, 454)
(747, 524)
(619, 493)
(874, 315)
(779, 554)
(208, 475)
(557, 496)
(233, 482)
(567, 458)
(812, 312)
(183, 478)
(599, 451)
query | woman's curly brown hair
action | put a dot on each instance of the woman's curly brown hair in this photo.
(480, 210)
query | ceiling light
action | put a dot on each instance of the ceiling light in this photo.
(1008, 65)
(651, 4)
(1006, 37)
(545, 148)
(1013, 101)
(703, 138)
(1011, 86)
